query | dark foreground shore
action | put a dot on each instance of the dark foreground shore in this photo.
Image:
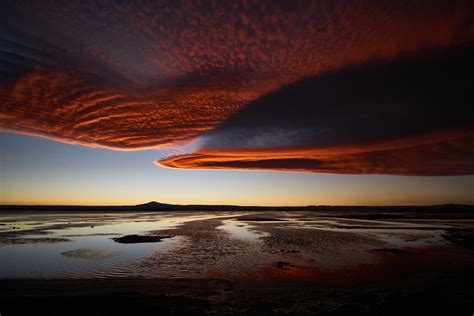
(443, 294)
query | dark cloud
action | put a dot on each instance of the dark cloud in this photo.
(379, 100)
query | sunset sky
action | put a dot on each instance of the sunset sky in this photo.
(251, 103)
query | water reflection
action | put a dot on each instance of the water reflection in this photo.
(242, 230)
(101, 256)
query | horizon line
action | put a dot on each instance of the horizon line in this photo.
(237, 205)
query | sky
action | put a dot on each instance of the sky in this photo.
(239, 102)
(41, 171)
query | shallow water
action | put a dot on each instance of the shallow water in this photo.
(234, 245)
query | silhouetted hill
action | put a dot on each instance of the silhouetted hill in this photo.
(153, 205)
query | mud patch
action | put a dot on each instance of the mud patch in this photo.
(259, 219)
(6, 240)
(390, 251)
(90, 254)
(461, 237)
(137, 239)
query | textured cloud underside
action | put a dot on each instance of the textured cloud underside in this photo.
(132, 76)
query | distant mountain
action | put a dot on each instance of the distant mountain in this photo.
(152, 205)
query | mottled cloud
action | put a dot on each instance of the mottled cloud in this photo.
(134, 75)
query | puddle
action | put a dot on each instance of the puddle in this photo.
(242, 230)
(82, 252)
(71, 259)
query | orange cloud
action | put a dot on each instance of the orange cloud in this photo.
(63, 107)
(129, 76)
(448, 153)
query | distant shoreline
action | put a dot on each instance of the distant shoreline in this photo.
(155, 206)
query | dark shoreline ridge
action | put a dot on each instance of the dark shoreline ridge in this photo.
(156, 206)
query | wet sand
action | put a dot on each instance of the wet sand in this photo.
(241, 263)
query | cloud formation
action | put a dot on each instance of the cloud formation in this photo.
(406, 117)
(134, 75)
(429, 155)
